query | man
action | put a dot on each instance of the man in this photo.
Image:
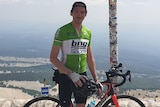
(74, 41)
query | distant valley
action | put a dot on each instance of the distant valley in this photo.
(36, 69)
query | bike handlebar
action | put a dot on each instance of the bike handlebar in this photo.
(124, 76)
(113, 72)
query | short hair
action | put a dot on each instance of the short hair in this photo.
(79, 4)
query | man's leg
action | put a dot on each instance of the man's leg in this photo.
(65, 90)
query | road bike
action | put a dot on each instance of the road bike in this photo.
(107, 98)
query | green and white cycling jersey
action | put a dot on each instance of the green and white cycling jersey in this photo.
(73, 46)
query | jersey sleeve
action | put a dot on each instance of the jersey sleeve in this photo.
(58, 38)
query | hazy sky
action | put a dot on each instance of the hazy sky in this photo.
(138, 20)
(129, 11)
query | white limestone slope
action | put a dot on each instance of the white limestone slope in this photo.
(16, 98)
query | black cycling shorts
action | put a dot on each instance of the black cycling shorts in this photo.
(66, 90)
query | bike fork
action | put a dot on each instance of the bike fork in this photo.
(115, 101)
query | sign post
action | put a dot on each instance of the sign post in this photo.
(44, 90)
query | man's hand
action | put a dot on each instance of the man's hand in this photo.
(77, 79)
(100, 87)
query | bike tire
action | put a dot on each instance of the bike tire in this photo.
(122, 98)
(38, 99)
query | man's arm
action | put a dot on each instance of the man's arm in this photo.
(56, 62)
(92, 68)
(91, 64)
(76, 78)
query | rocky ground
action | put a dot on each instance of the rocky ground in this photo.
(10, 97)
(16, 98)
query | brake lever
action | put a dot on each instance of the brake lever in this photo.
(118, 67)
(129, 73)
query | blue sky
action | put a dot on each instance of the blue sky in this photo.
(138, 20)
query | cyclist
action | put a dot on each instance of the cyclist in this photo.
(74, 41)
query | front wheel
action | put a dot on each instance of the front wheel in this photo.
(44, 101)
(125, 101)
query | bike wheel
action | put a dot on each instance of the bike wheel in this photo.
(44, 101)
(125, 101)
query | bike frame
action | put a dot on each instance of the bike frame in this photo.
(109, 93)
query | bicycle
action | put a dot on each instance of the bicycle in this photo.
(108, 98)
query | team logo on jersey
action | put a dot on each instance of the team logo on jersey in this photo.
(76, 46)
(70, 34)
(79, 46)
